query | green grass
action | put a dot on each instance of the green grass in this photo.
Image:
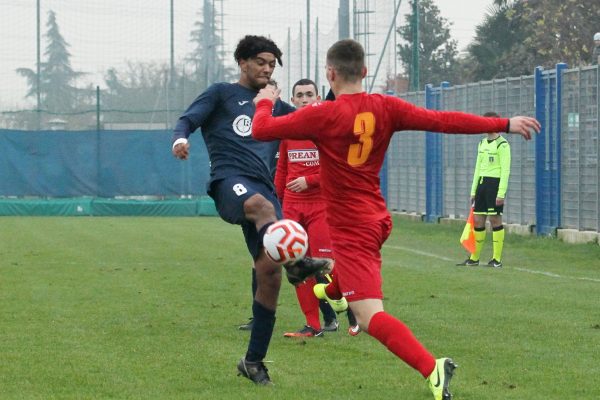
(147, 308)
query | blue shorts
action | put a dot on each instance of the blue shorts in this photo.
(230, 194)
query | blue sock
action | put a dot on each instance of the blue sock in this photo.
(261, 234)
(262, 330)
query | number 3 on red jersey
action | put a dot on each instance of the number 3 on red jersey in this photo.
(364, 128)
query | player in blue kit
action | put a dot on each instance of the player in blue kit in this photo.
(241, 184)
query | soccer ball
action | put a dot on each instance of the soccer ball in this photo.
(285, 241)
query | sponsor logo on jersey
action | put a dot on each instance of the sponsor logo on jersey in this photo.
(241, 103)
(309, 157)
(242, 125)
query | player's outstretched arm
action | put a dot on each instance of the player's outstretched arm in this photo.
(524, 126)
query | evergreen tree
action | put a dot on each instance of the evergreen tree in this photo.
(58, 92)
(498, 50)
(437, 51)
(208, 65)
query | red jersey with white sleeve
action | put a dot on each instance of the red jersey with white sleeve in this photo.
(352, 134)
(298, 158)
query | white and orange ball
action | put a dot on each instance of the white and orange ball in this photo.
(285, 241)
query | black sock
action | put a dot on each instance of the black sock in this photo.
(254, 284)
(262, 330)
(328, 313)
(351, 317)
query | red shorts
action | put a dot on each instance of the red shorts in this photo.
(312, 216)
(358, 258)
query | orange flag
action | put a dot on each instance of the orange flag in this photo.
(467, 239)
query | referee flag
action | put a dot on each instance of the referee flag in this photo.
(467, 239)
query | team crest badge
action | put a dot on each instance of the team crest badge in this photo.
(242, 125)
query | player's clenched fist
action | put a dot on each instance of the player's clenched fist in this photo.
(181, 150)
(267, 93)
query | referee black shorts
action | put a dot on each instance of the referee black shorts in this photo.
(485, 197)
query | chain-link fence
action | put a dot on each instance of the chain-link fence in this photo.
(555, 178)
(580, 173)
(406, 167)
(114, 65)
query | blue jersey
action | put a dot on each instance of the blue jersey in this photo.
(224, 114)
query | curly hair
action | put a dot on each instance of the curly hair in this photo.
(249, 46)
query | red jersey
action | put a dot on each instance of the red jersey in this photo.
(298, 158)
(352, 134)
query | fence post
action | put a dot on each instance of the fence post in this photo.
(547, 149)
(433, 162)
(440, 155)
(560, 67)
(540, 144)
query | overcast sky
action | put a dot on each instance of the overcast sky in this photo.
(108, 33)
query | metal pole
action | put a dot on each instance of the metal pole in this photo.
(395, 48)
(317, 54)
(172, 65)
(289, 62)
(414, 70)
(344, 19)
(300, 36)
(308, 39)
(384, 46)
(38, 68)
(354, 20)
(98, 108)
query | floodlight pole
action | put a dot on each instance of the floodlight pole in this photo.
(414, 70)
(387, 38)
(171, 87)
(308, 39)
(38, 69)
(289, 61)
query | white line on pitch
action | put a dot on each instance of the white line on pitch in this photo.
(529, 271)
(421, 253)
(550, 274)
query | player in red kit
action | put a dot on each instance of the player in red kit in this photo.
(352, 134)
(297, 184)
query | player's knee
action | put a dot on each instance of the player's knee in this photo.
(257, 207)
(496, 221)
(363, 313)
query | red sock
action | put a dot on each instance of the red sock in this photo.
(309, 304)
(398, 338)
(332, 290)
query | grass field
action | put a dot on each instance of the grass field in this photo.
(147, 308)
